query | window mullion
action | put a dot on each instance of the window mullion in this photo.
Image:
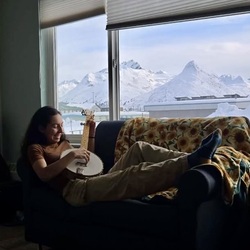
(114, 75)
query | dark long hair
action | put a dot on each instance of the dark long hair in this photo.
(41, 118)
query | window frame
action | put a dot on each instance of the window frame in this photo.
(48, 73)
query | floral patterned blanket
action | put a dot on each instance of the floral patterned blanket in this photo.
(186, 134)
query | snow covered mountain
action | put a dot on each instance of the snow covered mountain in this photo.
(65, 86)
(195, 82)
(135, 81)
(141, 86)
(92, 88)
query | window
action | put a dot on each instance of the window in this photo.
(191, 68)
(186, 69)
(82, 71)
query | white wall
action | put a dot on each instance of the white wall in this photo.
(19, 71)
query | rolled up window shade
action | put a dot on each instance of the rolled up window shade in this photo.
(130, 13)
(56, 12)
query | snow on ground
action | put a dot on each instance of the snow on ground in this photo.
(72, 121)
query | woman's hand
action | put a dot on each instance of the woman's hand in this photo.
(82, 154)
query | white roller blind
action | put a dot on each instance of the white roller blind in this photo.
(55, 12)
(132, 13)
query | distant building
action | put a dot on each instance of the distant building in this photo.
(106, 108)
(235, 96)
(79, 107)
(193, 108)
(204, 97)
(182, 98)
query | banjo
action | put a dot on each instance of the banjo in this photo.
(80, 167)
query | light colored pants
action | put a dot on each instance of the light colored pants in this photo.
(145, 169)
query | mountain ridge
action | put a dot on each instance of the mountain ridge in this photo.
(141, 86)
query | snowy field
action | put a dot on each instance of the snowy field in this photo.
(73, 121)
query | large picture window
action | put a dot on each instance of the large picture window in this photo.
(195, 68)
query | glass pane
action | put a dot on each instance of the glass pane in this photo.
(189, 69)
(82, 75)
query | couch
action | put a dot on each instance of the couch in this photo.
(199, 213)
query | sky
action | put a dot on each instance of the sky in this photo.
(221, 45)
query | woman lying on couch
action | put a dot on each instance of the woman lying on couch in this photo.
(145, 168)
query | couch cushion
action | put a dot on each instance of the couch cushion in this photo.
(81, 214)
(137, 216)
(186, 134)
(47, 201)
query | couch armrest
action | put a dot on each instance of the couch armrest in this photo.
(199, 184)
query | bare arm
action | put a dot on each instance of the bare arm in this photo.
(47, 172)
